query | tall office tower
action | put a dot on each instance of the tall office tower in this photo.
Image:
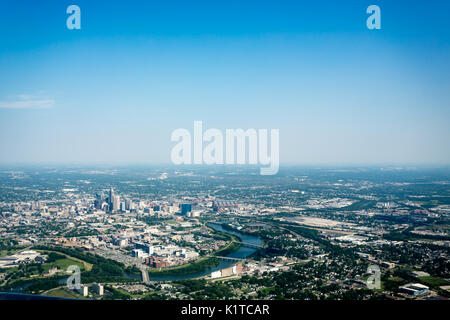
(111, 197)
(97, 204)
(116, 203)
(98, 201)
(128, 204)
(185, 208)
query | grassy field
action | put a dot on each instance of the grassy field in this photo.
(65, 263)
(392, 282)
(4, 253)
(433, 281)
(63, 293)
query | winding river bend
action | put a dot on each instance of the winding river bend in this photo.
(241, 253)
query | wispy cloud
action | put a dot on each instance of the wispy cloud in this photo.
(24, 101)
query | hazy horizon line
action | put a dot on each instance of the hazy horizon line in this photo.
(169, 164)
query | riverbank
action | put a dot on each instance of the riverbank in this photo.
(203, 263)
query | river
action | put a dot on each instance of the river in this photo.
(242, 252)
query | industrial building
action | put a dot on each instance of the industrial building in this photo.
(414, 289)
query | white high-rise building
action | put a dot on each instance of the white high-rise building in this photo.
(116, 203)
(83, 290)
(128, 204)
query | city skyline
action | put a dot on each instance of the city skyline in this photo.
(308, 234)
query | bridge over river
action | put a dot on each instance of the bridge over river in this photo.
(251, 245)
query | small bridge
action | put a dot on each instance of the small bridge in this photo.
(145, 277)
(228, 258)
(251, 245)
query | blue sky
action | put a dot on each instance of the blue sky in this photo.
(116, 89)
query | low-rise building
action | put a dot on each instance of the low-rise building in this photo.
(414, 289)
